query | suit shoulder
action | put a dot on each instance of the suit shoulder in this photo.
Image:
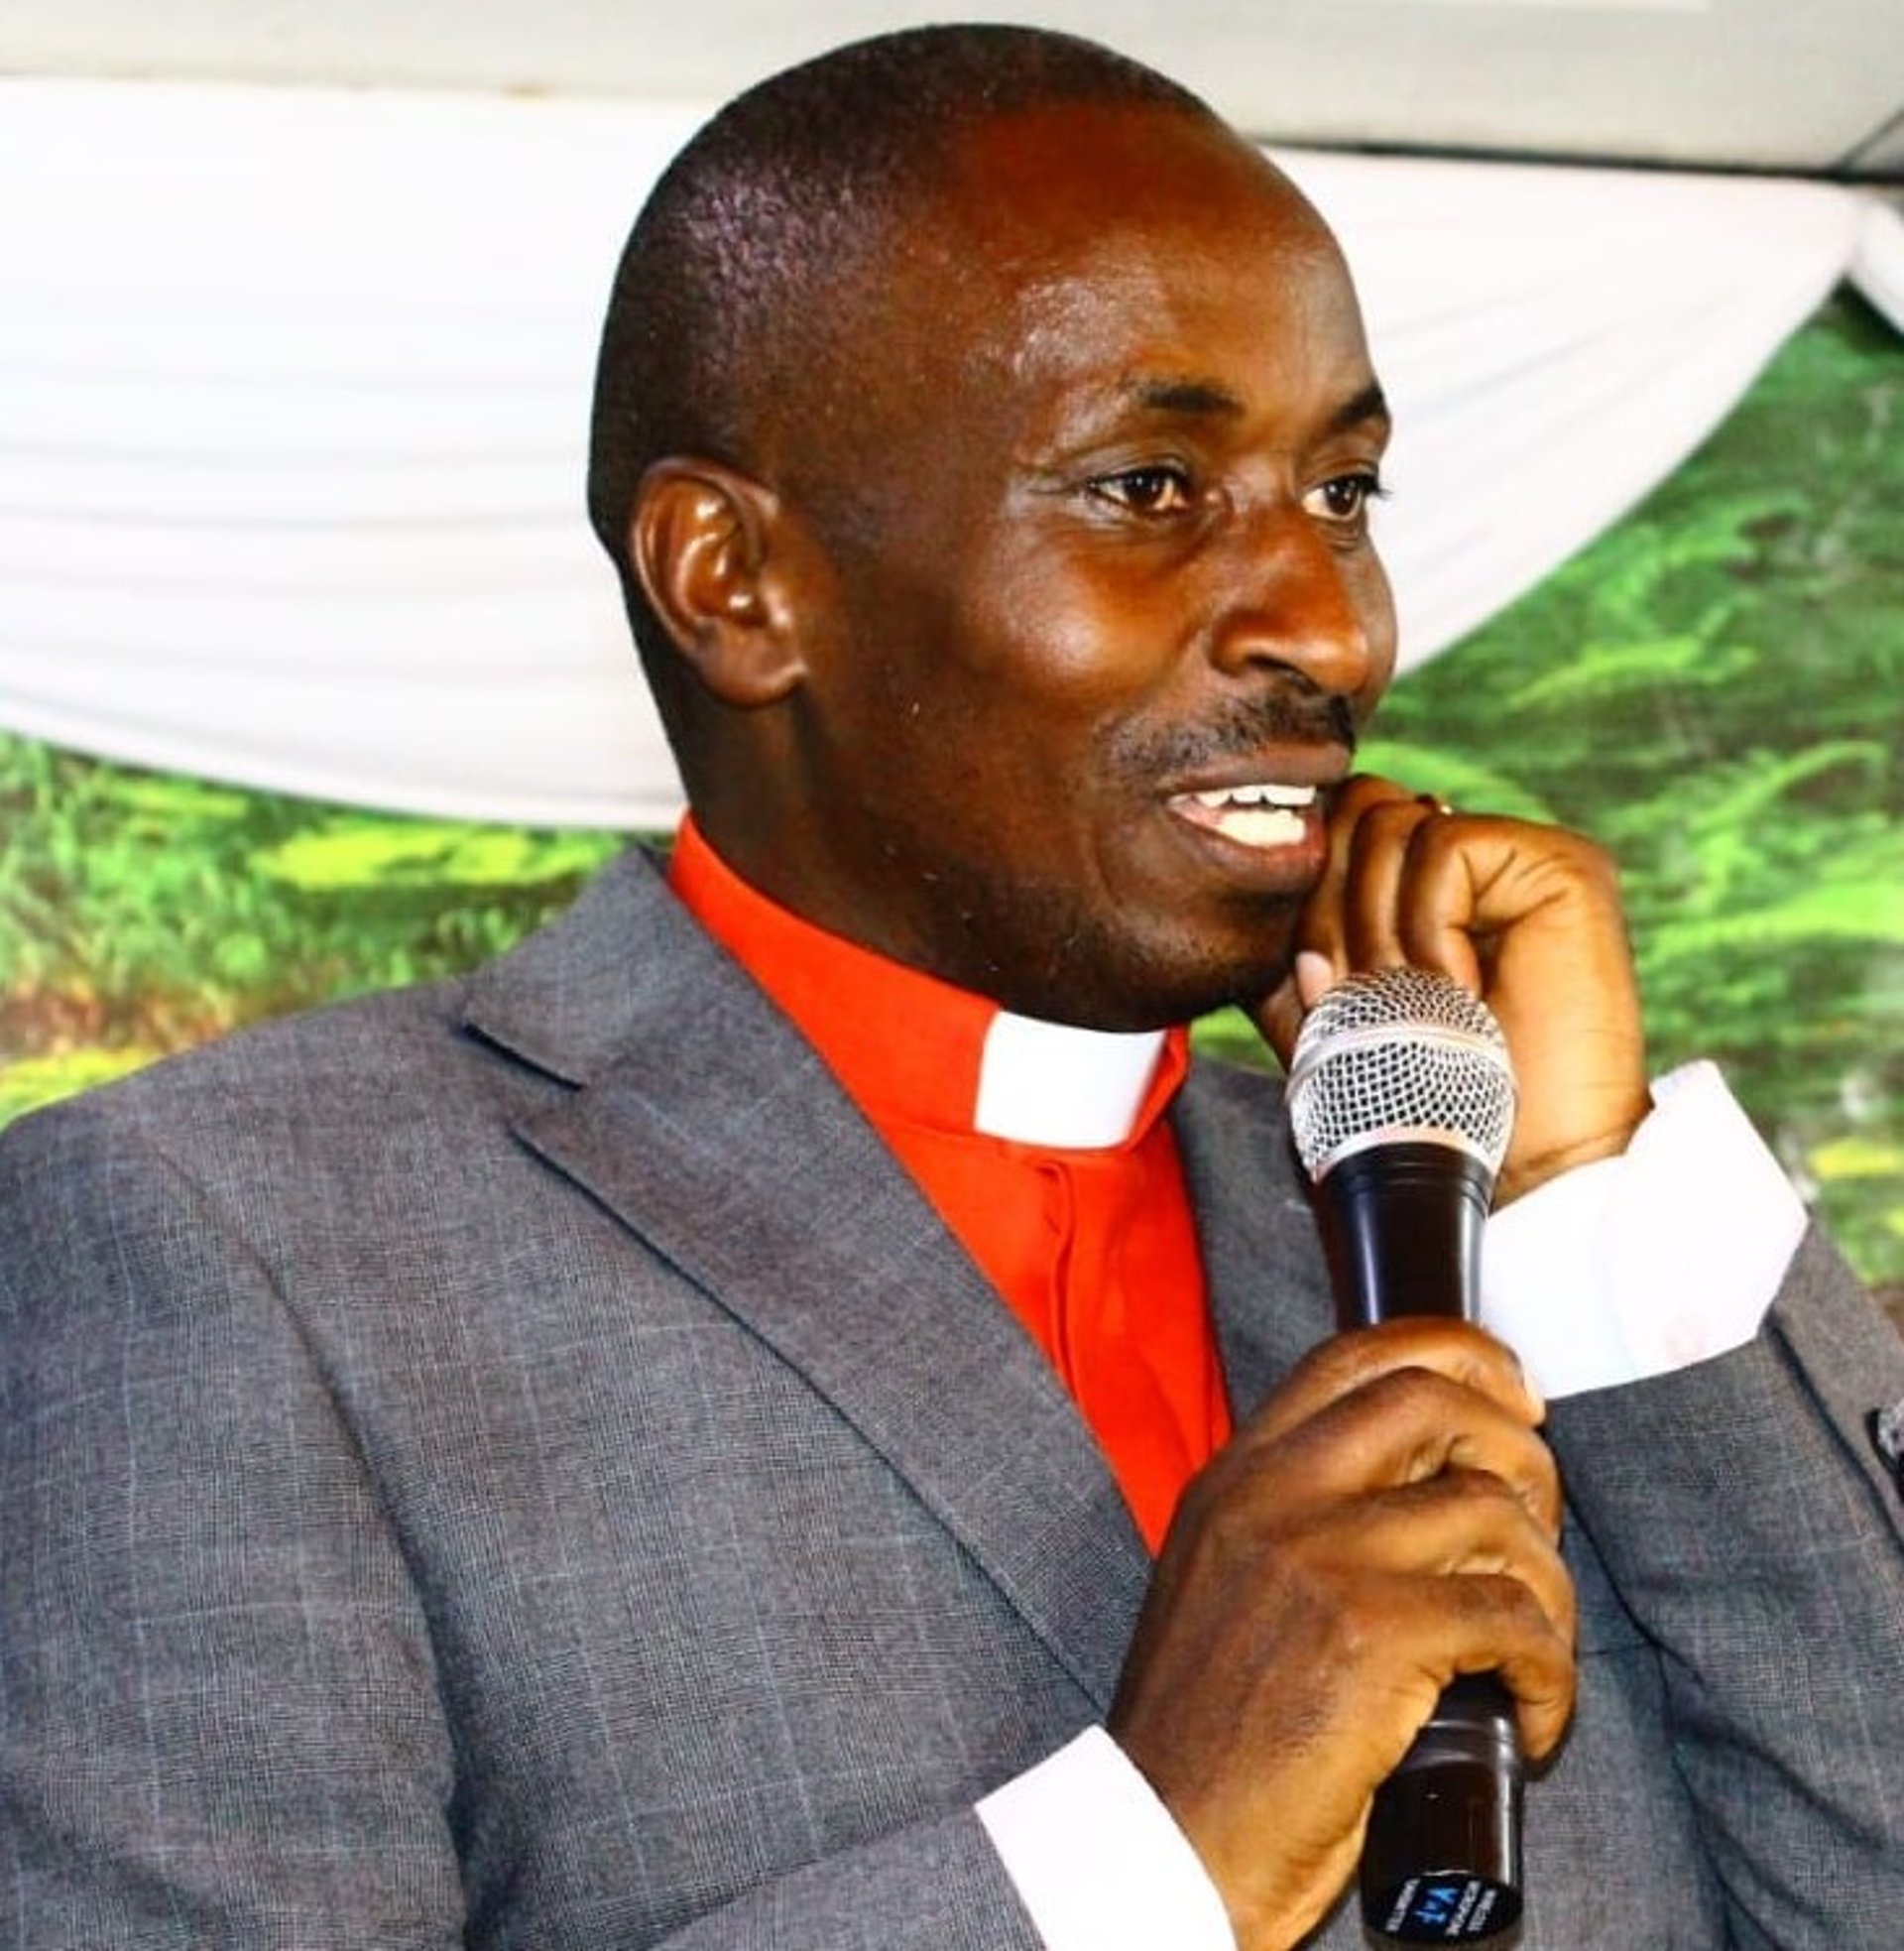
(373, 1061)
(299, 1052)
(333, 1090)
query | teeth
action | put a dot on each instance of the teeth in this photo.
(1262, 827)
(1264, 794)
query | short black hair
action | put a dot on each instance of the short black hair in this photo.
(764, 217)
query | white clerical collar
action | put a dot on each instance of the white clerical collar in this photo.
(1055, 1085)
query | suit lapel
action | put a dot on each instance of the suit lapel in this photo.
(713, 1131)
(1269, 1289)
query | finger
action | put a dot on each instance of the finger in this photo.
(1498, 1625)
(1531, 919)
(1460, 1351)
(1403, 1429)
(1460, 1524)
(1476, 883)
(1321, 932)
(1409, 1635)
(1366, 1412)
(1279, 1017)
(1322, 956)
(1388, 864)
(1539, 1667)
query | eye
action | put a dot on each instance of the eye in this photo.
(1161, 488)
(1344, 499)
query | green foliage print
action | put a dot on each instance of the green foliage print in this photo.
(1713, 688)
(140, 913)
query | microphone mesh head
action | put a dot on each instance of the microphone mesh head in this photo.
(1398, 1056)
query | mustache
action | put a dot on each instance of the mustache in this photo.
(1242, 726)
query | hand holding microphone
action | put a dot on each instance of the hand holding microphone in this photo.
(1387, 1522)
(1526, 917)
(1403, 1103)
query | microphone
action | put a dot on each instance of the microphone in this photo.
(1401, 1099)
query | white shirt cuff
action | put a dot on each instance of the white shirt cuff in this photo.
(1098, 1860)
(1637, 1265)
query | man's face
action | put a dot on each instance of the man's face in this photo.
(1100, 611)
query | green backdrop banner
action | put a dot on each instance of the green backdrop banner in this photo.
(1715, 688)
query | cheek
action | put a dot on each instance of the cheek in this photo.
(1375, 604)
(1079, 638)
(1000, 665)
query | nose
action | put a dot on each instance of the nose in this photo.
(1313, 604)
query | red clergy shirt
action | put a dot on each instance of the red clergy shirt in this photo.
(1092, 1244)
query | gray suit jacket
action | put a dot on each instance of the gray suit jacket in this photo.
(516, 1464)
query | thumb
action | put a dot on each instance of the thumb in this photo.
(1279, 1014)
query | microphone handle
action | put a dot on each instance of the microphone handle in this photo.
(1402, 1224)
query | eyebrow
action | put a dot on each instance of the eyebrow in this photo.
(1369, 403)
(1192, 397)
(1206, 399)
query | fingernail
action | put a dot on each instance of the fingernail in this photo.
(1315, 977)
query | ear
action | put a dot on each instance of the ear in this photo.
(713, 550)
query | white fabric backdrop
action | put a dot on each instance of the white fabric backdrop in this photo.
(293, 395)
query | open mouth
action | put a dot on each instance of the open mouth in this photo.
(1265, 814)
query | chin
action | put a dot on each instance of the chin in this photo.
(1135, 986)
(1036, 949)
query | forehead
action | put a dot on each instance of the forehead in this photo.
(1065, 263)
(1089, 245)
(1044, 177)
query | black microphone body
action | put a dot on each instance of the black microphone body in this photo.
(1405, 1167)
(1402, 1224)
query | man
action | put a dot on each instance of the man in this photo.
(657, 1443)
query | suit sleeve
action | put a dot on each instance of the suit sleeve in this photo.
(220, 1722)
(1750, 1525)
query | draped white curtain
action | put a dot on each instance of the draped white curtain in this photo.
(293, 394)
